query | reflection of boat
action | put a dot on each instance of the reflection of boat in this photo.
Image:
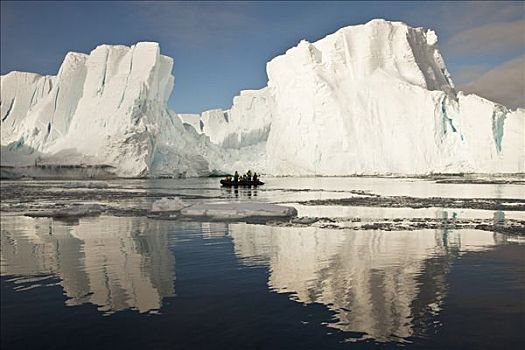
(241, 183)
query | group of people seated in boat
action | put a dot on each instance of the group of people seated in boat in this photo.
(246, 178)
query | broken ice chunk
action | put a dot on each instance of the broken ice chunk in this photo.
(168, 204)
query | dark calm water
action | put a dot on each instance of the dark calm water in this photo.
(132, 282)
(112, 282)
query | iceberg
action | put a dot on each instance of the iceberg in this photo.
(376, 99)
(108, 107)
(373, 99)
(194, 120)
(247, 123)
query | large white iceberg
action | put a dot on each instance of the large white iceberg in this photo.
(247, 123)
(367, 99)
(374, 99)
(110, 107)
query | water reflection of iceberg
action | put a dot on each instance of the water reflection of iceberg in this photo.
(384, 284)
(115, 263)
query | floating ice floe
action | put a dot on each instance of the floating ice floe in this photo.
(168, 204)
(239, 210)
(74, 211)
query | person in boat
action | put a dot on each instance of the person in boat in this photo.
(236, 177)
(255, 178)
(249, 175)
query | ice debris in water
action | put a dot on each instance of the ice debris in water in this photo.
(168, 204)
(74, 211)
(239, 210)
(222, 210)
(97, 185)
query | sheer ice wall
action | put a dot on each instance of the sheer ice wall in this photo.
(108, 107)
(374, 99)
(367, 99)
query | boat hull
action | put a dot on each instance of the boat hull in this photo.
(225, 183)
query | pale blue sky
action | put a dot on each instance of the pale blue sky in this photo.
(221, 48)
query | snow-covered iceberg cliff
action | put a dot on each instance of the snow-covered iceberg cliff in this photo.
(374, 99)
(108, 107)
(368, 99)
(246, 123)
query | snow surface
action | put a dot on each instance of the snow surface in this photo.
(368, 99)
